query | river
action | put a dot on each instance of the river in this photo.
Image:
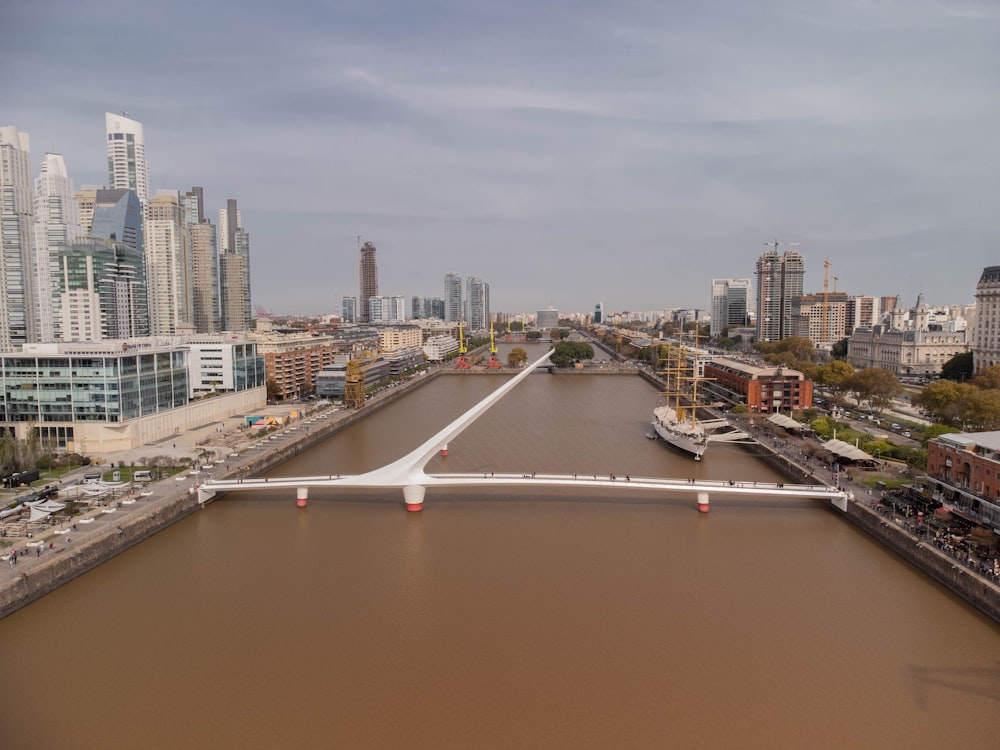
(499, 620)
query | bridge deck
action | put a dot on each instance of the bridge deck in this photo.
(580, 481)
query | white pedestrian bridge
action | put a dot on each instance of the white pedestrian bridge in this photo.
(407, 473)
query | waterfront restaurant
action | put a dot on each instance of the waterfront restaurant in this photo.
(963, 473)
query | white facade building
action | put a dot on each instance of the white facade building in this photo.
(17, 288)
(57, 224)
(453, 308)
(477, 296)
(127, 167)
(168, 266)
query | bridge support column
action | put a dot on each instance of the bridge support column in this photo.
(703, 502)
(444, 450)
(413, 494)
(302, 497)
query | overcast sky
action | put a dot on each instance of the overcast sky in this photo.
(566, 152)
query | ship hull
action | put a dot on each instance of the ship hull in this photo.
(692, 446)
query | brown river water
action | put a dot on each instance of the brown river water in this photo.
(502, 620)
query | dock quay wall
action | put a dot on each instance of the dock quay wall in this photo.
(974, 589)
(72, 559)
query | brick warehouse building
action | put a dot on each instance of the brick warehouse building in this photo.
(765, 390)
(963, 472)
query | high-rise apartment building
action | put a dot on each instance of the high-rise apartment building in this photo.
(477, 297)
(57, 224)
(127, 167)
(986, 342)
(204, 262)
(234, 270)
(17, 292)
(367, 278)
(118, 217)
(779, 278)
(85, 199)
(821, 318)
(168, 266)
(349, 310)
(730, 304)
(453, 310)
(862, 312)
(100, 287)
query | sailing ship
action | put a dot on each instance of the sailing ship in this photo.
(676, 419)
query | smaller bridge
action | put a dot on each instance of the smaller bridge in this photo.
(407, 473)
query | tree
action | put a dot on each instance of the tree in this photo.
(839, 349)
(568, 352)
(516, 357)
(933, 430)
(533, 335)
(945, 401)
(835, 375)
(273, 391)
(875, 386)
(988, 378)
(958, 367)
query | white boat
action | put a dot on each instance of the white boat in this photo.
(676, 420)
(684, 433)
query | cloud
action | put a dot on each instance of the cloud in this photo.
(565, 152)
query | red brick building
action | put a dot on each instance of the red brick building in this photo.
(963, 472)
(766, 390)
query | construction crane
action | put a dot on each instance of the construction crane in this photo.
(826, 301)
(494, 363)
(462, 363)
(354, 381)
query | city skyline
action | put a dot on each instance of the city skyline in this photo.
(624, 154)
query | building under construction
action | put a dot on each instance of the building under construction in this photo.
(367, 278)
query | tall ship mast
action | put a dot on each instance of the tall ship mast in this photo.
(676, 420)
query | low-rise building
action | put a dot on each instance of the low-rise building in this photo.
(912, 352)
(399, 337)
(437, 348)
(963, 473)
(292, 361)
(766, 390)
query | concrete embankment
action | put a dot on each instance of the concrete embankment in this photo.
(76, 557)
(977, 591)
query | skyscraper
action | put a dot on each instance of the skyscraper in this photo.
(779, 278)
(17, 292)
(57, 223)
(101, 289)
(118, 217)
(368, 279)
(730, 303)
(127, 167)
(477, 296)
(204, 252)
(234, 269)
(453, 311)
(168, 265)
(599, 313)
